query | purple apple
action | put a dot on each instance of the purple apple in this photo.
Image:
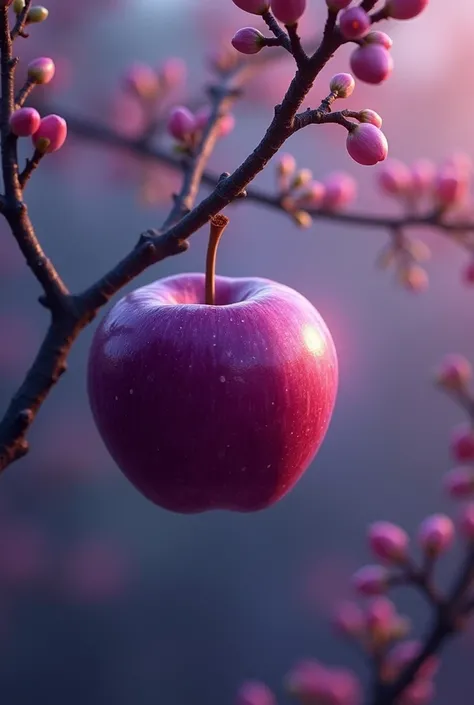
(213, 407)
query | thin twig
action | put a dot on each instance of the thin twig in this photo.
(31, 165)
(102, 134)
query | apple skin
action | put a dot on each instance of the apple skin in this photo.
(213, 407)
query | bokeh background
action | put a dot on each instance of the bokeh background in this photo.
(108, 599)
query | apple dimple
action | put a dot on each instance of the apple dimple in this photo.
(213, 407)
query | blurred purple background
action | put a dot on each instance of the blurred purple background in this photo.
(108, 599)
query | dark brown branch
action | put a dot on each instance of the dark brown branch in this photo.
(24, 92)
(275, 28)
(18, 29)
(221, 98)
(102, 134)
(297, 50)
(31, 165)
(71, 314)
(448, 620)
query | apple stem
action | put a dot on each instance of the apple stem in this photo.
(217, 226)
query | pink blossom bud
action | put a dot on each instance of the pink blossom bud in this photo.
(378, 37)
(24, 122)
(338, 4)
(342, 84)
(286, 165)
(388, 542)
(51, 134)
(371, 580)
(254, 7)
(248, 40)
(173, 72)
(462, 443)
(371, 63)
(394, 178)
(181, 123)
(312, 682)
(422, 176)
(459, 482)
(450, 187)
(413, 278)
(466, 522)
(460, 162)
(420, 692)
(468, 273)
(436, 534)
(366, 144)
(288, 11)
(348, 619)
(405, 9)
(340, 190)
(342, 687)
(354, 23)
(454, 373)
(370, 116)
(226, 122)
(302, 178)
(402, 654)
(380, 616)
(313, 195)
(254, 693)
(41, 70)
(142, 80)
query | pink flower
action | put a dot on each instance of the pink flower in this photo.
(254, 7)
(248, 40)
(51, 134)
(406, 9)
(254, 693)
(366, 144)
(462, 443)
(388, 542)
(354, 23)
(340, 190)
(181, 123)
(25, 122)
(342, 84)
(371, 580)
(436, 534)
(371, 63)
(394, 178)
(288, 11)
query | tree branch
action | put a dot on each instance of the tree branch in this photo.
(70, 314)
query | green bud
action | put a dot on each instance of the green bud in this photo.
(18, 6)
(37, 14)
